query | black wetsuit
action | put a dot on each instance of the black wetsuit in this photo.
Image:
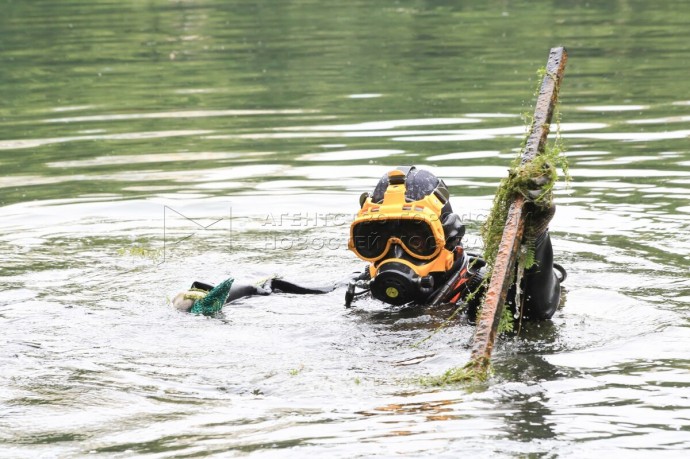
(540, 285)
(462, 284)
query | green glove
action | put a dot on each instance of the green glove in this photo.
(214, 300)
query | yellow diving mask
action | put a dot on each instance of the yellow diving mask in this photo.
(404, 242)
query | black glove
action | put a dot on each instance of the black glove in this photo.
(539, 207)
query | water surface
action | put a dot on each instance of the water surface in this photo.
(144, 145)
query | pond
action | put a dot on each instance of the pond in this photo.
(148, 144)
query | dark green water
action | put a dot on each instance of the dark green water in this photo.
(263, 122)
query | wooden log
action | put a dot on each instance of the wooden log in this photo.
(504, 267)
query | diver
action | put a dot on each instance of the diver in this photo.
(410, 237)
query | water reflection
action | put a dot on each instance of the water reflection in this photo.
(235, 112)
(34, 143)
(168, 115)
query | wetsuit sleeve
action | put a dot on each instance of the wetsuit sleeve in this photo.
(207, 300)
(273, 285)
(541, 286)
(244, 290)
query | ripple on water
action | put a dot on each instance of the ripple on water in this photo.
(224, 179)
(34, 143)
(349, 155)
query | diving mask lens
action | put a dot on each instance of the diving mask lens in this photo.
(417, 236)
(370, 238)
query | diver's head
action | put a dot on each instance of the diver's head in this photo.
(408, 233)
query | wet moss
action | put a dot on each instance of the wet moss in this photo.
(535, 181)
(472, 372)
(141, 252)
(540, 175)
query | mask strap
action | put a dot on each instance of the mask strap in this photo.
(441, 192)
(398, 176)
(406, 169)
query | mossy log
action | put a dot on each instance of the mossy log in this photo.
(502, 271)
